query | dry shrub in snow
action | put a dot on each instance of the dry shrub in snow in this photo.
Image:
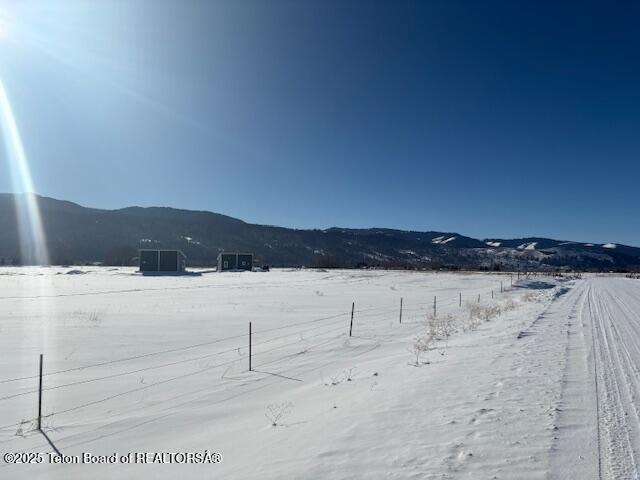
(421, 344)
(448, 326)
(335, 379)
(442, 327)
(530, 296)
(438, 329)
(345, 376)
(94, 317)
(509, 305)
(472, 321)
(277, 411)
(48, 423)
(486, 313)
(25, 427)
(482, 313)
(349, 374)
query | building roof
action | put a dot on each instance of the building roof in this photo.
(161, 250)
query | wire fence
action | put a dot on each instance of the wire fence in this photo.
(270, 346)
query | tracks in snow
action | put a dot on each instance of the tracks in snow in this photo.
(612, 310)
(599, 421)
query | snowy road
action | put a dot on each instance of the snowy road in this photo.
(599, 420)
(613, 310)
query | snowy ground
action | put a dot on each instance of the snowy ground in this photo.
(160, 364)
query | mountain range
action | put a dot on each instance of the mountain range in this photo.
(81, 235)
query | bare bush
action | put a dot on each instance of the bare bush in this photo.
(94, 317)
(431, 325)
(477, 314)
(440, 329)
(349, 374)
(481, 313)
(275, 412)
(421, 344)
(446, 326)
(509, 305)
(25, 427)
(530, 296)
(336, 379)
(48, 423)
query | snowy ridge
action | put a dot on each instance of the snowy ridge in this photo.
(442, 240)
(113, 236)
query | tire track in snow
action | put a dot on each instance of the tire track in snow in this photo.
(597, 388)
(630, 372)
(618, 431)
(574, 445)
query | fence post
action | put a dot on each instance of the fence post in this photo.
(353, 306)
(501, 286)
(400, 309)
(491, 294)
(249, 346)
(435, 308)
(478, 298)
(40, 397)
(460, 301)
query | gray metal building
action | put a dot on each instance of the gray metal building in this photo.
(162, 261)
(235, 261)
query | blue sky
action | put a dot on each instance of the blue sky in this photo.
(492, 119)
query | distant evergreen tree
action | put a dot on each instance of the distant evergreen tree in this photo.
(121, 255)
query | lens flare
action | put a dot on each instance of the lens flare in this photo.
(33, 247)
(4, 26)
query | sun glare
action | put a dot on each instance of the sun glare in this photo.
(4, 26)
(32, 238)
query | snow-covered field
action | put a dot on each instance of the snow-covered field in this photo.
(507, 388)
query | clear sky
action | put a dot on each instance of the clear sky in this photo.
(488, 118)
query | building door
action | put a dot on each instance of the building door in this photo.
(168, 261)
(149, 260)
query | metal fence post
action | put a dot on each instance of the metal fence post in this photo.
(40, 397)
(353, 306)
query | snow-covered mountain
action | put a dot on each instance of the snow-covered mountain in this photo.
(79, 234)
